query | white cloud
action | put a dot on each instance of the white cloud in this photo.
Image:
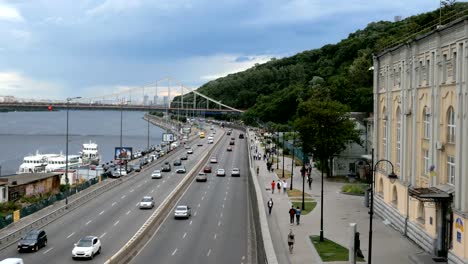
(9, 13)
(16, 84)
(116, 6)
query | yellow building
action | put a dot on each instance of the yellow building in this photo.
(421, 126)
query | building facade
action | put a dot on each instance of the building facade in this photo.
(421, 127)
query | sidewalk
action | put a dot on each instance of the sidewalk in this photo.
(389, 246)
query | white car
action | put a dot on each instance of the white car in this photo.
(235, 172)
(213, 160)
(12, 261)
(187, 147)
(87, 247)
(182, 211)
(220, 172)
(147, 202)
(180, 169)
(156, 174)
(190, 151)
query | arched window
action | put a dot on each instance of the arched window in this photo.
(384, 132)
(426, 123)
(451, 125)
(421, 215)
(394, 196)
(380, 187)
(398, 136)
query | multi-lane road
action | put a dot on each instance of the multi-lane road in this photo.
(217, 229)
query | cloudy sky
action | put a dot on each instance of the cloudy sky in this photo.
(60, 48)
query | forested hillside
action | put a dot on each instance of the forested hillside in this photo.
(272, 91)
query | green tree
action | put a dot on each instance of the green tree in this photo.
(325, 128)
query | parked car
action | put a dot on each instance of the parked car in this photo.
(201, 177)
(137, 167)
(166, 167)
(213, 160)
(182, 211)
(235, 172)
(87, 247)
(180, 169)
(33, 240)
(207, 169)
(177, 162)
(146, 202)
(156, 174)
(220, 172)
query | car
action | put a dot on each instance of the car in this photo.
(228, 133)
(180, 169)
(231, 142)
(12, 261)
(190, 151)
(166, 167)
(184, 157)
(177, 163)
(235, 172)
(162, 153)
(87, 247)
(201, 177)
(182, 211)
(200, 144)
(156, 174)
(186, 146)
(233, 138)
(229, 148)
(146, 202)
(220, 172)
(241, 135)
(213, 160)
(210, 141)
(137, 167)
(33, 240)
(207, 169)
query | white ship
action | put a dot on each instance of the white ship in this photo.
(48, 162)
(90, 153)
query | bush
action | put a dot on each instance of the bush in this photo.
(354, 188)
(286, 152)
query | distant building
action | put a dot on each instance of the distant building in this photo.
(155, 100)
(420, 125)
(145, 100)
(30, 184)
(7, 99)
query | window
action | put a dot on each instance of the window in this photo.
(426, 122)
(444, 69)
(426, 162)
(421, 217)
(395, 196)
(398, 137)
(451, 169)
(451, 126)
(384, 138)
(380, 189)
(454, 67)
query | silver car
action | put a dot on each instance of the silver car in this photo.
(147, 203)
(182, 211)
(201, 177)
(235, 172)
(156, 174)
(180, 169)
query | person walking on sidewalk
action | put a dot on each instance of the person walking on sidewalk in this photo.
(309, 181)
(273, 186)
(298, 215)
(270, 205)
(292, 213)
(285, 186)
(291, 241)
(278, 185)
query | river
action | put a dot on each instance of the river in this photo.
(24, 133)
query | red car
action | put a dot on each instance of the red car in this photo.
(207, 169)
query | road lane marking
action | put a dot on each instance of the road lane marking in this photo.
(152, 191)
(128, 212)
(87, 223)
(215, 235)
(224, 198)
(158, 185)
(198, 205)
(173, 253)
(123, 196)
(223, 205)
(221, 215)
(190, 222)
(146, 181)
(164, 181)
(185, 234)
(116, 223)
(132, 190)
(195, 214)
(114, 203)
(219, 223)
(205, 192)
(203, 197)
(209, 252)
(70, 235)
(139, 185)
(45, 252)
(101, 212)
(103, 235)
(226, 193)
(137, 204)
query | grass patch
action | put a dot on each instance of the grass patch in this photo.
(354, 188)
(331, 251)
(343, 179)
(287, 174)
(297, 193)
(309, 206)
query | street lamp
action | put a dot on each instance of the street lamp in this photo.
(392, 177)
(292, 161)
(303, 172)
(276, 149)
(121, 127)
(66, 149)
(283, 156)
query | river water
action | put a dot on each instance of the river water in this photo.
(24, 133)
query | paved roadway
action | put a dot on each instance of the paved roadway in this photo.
(113, 216)
(218, 231)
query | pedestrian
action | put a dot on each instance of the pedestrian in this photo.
(273, 185)
(270, 206)
(278, 185)
(292, 213)
(298, 215)
(291, 241)
(258, 170)
(285, 186)
(309, 180)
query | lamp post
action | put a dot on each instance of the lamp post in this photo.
(292, 161)
(283, 156)
(392, 177)
(121, 128)
(277, 151)
(303, 172)
(66, 148)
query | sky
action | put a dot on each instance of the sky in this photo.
(54, 49)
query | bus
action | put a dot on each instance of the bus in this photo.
(202, 134)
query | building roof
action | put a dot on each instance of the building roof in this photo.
(28, 177)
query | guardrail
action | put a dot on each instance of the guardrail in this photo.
(132, 247)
